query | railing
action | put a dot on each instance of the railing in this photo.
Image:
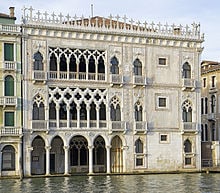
(11, 131)
(207, 163)
(140, 126)
(10, 28)
(113, 24)
(116, 79)
(39, 75)
(139, 80)
(188, 83)
(9, 65)
(118, 126)
(189, 127)
(8, 101)
(211, 116)
(54, 75)
(52, 123)
(39, 124)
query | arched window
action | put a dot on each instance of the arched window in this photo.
(91, 64)
(186, 70)
(38, 61)
(38, 112)
(73, 111)
(72, 64)
(63, 64)
(63, 111)
(187, 111)
(93, 111)
(187, 146)
(83, 111)
(8, 158)
(101, 65)
(213, 104)
(114, 65)
(138, 111)
(102, 111)
(137, 67)
(9, 85)
(52, 111)
(82, 64)
(138, 146)
(115, 109)
(53, 62)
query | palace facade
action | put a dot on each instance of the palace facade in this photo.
(10, 96)
(210, 134)
(109, 95)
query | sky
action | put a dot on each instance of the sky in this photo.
(205, 12)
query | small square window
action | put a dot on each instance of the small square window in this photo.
(163, 137)
(139, 162)
(162, 61)
(162, 102)
(188, 161)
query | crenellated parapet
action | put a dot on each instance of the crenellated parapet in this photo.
(114, 24)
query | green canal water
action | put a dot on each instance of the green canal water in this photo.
(155, 183)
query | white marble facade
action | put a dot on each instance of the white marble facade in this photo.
(109, 95)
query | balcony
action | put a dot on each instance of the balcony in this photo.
(188, 83)
(116, 79)
(39, 125)
(140, 127)
(54, 75)
(189, 127)
(10, 28)
(39, 76)
(211, 116)
(9, 66)
(213, 90)
(11, 131)
(118, 126)
(139, 80)
(8, 101)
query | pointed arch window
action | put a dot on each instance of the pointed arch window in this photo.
(82, 64)
(186, 70)
(38, 61)
(9, 86)
(91, 64)
(187, 146)
(38, 111)
(93, 111)
(63, 64)
(114, 65)
(115, 109)
(72, 64)
(83, 111)
(52, 111)
(101, 65)
(102, 112)
(137, 67)
(73, 111)
(138, 112)
(63, 111)
(187, 111)
(53, 62)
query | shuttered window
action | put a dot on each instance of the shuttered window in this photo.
(8, 52)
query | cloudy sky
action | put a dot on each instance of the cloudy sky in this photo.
(205, 12)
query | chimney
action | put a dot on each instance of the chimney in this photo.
(12, 11)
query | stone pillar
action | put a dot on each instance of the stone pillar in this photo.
(90, 159)
(88, 115)
(78, 116)
(47, 117)
(19, 157)
(108, 159)
(68, 116)
(48, 160)
(66, 151)
(58, 116)
(1, 162)
(28, 161)
(97, 117)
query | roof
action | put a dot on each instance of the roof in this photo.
(209, 66)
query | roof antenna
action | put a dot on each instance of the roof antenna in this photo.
(92, 9)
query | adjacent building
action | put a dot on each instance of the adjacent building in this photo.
(10, 96)
(98, 95)
(210, 109)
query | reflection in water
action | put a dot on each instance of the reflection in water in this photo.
(172, 183)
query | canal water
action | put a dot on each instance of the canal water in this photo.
(156, 183)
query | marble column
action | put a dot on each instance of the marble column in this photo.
(66, 151)
(90, 159)
(108, 159)
(48, 159)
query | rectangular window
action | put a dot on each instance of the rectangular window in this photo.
(204, 82)
(139, 162)
(162, 61)
(213, 81)
(163, 137)
(162, 102)
(8, 52)
(188, 161)
(9, 119)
